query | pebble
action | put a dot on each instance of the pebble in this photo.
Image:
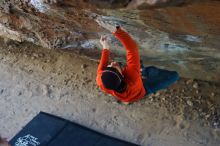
(66, 81)
(189, 103)
(1, 91)
(157, 94)
(202, 113)
(35, 55)
(6, 40)
(10, 47)
(189, 81)
(76, 76)
(83, 66)
(212, 94)
(195, 85)
(19, 93)
(215, 124)
(94, 110)
(207, 116)
(209, 104)
(5, 20)
(151, 97)
(41, 55)
(46, 90)
(76, 85)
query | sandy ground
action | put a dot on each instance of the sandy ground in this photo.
(33, 79)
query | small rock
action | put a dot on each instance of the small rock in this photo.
(212, 94)
(94, 110)
(195, 114)
(6, 40)
(157, 94)
(67, 101)
(76, 85)
(200, 110)
(83, 83)
(113, 102)
(20, 93)
(83, 66)
(207, 116)
(1, 91)
(76, 76)
(148, 134)
(202, 114)
(10, 47)
(197, 91)
(215, 124)
(47, 90)
(35, 55)
(66, 81)
(189, 103)
(189, 81)
(195, 85)
(59, 73)
(13, 112)
(150, 96)
(43, 68)
(30, 71)
(5, 20)
(181, 126)
(25, 55)
(40, 54)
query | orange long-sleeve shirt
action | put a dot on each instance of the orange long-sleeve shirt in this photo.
(132, 76)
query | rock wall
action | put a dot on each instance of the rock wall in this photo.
(179, 35)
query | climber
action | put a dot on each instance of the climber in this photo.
(126, 84)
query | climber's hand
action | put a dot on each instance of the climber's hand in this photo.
(104, 40)
(109, 25)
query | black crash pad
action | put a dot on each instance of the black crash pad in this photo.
(49, 130)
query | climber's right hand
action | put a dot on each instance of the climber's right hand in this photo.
(104, 40)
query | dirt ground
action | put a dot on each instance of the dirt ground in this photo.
(34, 79)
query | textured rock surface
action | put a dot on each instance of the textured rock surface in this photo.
(179, 35)
(34, 79)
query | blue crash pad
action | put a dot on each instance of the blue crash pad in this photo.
(49, 130)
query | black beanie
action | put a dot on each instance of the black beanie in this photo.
(111, 78)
